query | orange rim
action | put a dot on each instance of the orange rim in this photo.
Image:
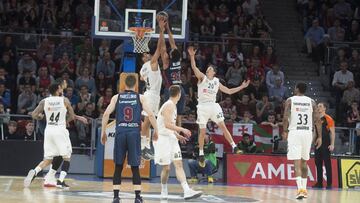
(140, 31)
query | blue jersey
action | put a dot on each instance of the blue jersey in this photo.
(173, 73)
(128, 112)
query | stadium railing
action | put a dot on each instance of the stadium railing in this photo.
(331, 51)
(21, 123)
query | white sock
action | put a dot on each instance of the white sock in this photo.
(163, 187)
(143, 142)
(62, 176)
(37, 170)
(233, 145)
(185, 186)
(52, 172)
(299, 182)
(303, 183)
(147, 144)
(201, 152)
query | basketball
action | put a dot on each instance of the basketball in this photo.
(162, 15)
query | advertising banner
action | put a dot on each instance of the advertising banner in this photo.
(350, 173)
(270, 170)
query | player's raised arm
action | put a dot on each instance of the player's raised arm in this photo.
(155, 57)
(105, 119)
(164, 55)
(37, 114)
(235, 89)
(171, 37)
(150, 114)
(167, 113)
(286, 117)
(317, 125)
(199, 75)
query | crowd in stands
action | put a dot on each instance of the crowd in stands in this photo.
(328, 22)
(90, 68)
(237, 18)
(334, 25)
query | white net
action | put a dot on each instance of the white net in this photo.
(141, 43)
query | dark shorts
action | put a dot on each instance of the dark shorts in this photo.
(180, 106)
(127, 143)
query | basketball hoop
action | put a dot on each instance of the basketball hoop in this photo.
(141, 37)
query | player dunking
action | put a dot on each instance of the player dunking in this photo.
(172, 68)
(300, 116)
(56, 136)
(207, 108)
(151, 74)
(167, 149)
(128, 106)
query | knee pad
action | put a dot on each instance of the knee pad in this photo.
(56, 162)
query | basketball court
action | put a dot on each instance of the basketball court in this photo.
(12, 190)
(126, 20)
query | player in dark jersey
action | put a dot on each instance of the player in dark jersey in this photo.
(172, 69)
(128, 106)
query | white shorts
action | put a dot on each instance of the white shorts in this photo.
(57, 142)
(153, 102)
(299, 145)
(167, 150)
(206, 111)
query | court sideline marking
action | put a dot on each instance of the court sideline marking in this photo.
(8, 185)
(281, 196)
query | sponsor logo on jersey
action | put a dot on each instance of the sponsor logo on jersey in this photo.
(302, 109)
(129, 125)
(131, 102)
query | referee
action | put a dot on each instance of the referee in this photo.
(323, 153)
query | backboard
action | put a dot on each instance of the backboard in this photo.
(112, 18)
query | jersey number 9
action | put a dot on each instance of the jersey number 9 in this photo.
(128, 114)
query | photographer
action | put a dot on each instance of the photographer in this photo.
(210, 162)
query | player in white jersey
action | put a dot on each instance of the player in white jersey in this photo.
(50, 179)
(300, 116)
(151, 74)
(167, 149)
(56, 136)
(207, 108)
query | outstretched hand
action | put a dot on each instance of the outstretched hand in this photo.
(191, 51)
(162, 24)
(245, 84)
